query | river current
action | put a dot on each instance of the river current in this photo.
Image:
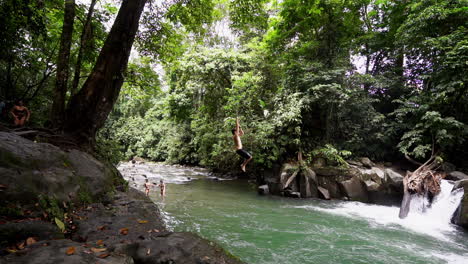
(277, 230)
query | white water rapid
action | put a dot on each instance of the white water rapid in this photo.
(433, 220)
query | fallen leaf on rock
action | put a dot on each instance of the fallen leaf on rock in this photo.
(97, 250)
(11, 250)
(143, 221)
(155, 230)
(99, 242)
(102, 227)
(123, 231)
(60, 224)
(30, 241)
(87, 252)
(70, 251)
(45, 244)
(148, 252)
(104, 255)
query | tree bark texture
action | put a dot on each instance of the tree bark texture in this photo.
(63, 64)
(85, 36)
(89, 108)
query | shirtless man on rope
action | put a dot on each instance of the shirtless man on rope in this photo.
(236, 134)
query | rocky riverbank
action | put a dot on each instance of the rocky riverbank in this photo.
(62, 206)
(360, 180)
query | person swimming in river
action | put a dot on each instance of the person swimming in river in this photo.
(236, 134)
(147, 187)
(162, 186)
(20, 114)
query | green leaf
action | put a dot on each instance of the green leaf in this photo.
(60, 224)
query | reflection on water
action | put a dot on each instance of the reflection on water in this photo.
(268, 229)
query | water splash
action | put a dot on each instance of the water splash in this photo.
(433, 220)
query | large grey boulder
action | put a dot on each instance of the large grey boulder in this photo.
(394, 177)
(460, 216)
(355, 189)
(30, 170)
(456, 176)
(374, 174)
(367, 162)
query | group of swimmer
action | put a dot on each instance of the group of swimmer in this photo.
(19, 112)
(161, 186)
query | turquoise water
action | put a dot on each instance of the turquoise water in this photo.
(269, 229)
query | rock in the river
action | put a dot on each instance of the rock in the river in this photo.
(393, 177)
(372, 186)
(355, 189)
(331, 185)
(263, 189)
(323, 193)
(460, 217)
(375, 174)
(367, 162)
(456, 176)
(32, 169)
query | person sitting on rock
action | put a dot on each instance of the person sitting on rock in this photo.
(237, 133)
(20, 113)
(162, 186)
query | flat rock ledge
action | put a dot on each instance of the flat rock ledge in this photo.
(127, 230)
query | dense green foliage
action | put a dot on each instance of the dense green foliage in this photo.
(374, 78)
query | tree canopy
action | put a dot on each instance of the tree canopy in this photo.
(375, 78)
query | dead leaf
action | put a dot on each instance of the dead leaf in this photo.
(155, 230)
(104, 255)
(99, 242)
(20, 245)
(148, 252)
(123, 231)
(11, 249)
(87, 252)
(30, 241)
(143, 221)
(70, 251)
(102, 227)
(97, 250)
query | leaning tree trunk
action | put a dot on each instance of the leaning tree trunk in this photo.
(85, 36)
(58, 106)
(89, 108)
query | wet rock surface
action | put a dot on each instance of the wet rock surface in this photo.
(128, 230)
(460, 216)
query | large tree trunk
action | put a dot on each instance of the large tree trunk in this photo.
(85, 36)
(63, 62)
(89, 108)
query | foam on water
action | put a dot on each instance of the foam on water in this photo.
(433, 221)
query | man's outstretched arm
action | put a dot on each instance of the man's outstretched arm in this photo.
(238, 128)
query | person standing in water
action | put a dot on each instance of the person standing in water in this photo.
(236, 134)
(147, 187)
(162, 186)
(20, 114)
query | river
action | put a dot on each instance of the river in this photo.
(276, 230)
